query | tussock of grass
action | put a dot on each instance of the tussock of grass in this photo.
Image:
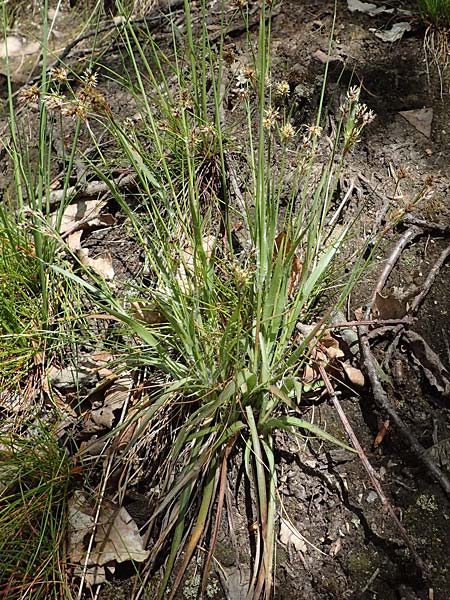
(224, 309)
(435, 12)
(436, 16)
(224, 313)
(34, 479)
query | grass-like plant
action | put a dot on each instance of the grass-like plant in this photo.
(233, 215)
(34, 479)
(218, 317)
(435, 12)
(436, 16)
(34, 298)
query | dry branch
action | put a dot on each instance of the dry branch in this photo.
(409, 235)
(429, 280)
(371, 472)
(382, 401)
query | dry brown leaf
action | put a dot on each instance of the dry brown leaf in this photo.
(74, 240)
(102, 265)
(290, 536)
(389, 306)
(92, 575)
(331, 346)
(281, 242)
(309, 375)
(147, 314)
(430, 363)
(84, 212)
(117, 537)
(296, 273)
(395, 33)
(367, 8)
(421, 119)
(354, 375)
(115, 398)
(359, 313)
(81, 525)
(324, 58)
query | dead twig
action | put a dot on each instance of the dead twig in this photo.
(427, 225)
(92, 188)
(337, 212)
(409, 235)
(371, 472)
(382, 401)
(375, 322)
(429, 281)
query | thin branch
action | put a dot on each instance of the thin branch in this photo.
(409, 235)
(381, 399)
(344, 201)
(371, 472)
(375, 322)
(429, 280)
(427, 225)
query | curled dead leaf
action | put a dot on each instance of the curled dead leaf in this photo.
(117, 536)
(354, 375)
(102, 265)
(283, 244)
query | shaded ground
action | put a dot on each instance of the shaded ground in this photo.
(352, 549)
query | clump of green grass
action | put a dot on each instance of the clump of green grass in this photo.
(34, 480)
(219, 315)
(435, 12)
(21, 305)
(436, 16)
(35, 300)
(234, 217)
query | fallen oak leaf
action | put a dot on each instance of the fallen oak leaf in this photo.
(102, 265)
(117, 537)
(115, 399)
(390, 306)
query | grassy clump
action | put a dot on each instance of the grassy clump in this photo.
(436, 16)
(233, 211)
(435, 12)
(218, 316)
(21, 305)
(34, 479)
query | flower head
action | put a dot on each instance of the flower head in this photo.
(59, 74)
(90, 79)
(270, 117)
(282, 88)
(30, 94)
(287, 132)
